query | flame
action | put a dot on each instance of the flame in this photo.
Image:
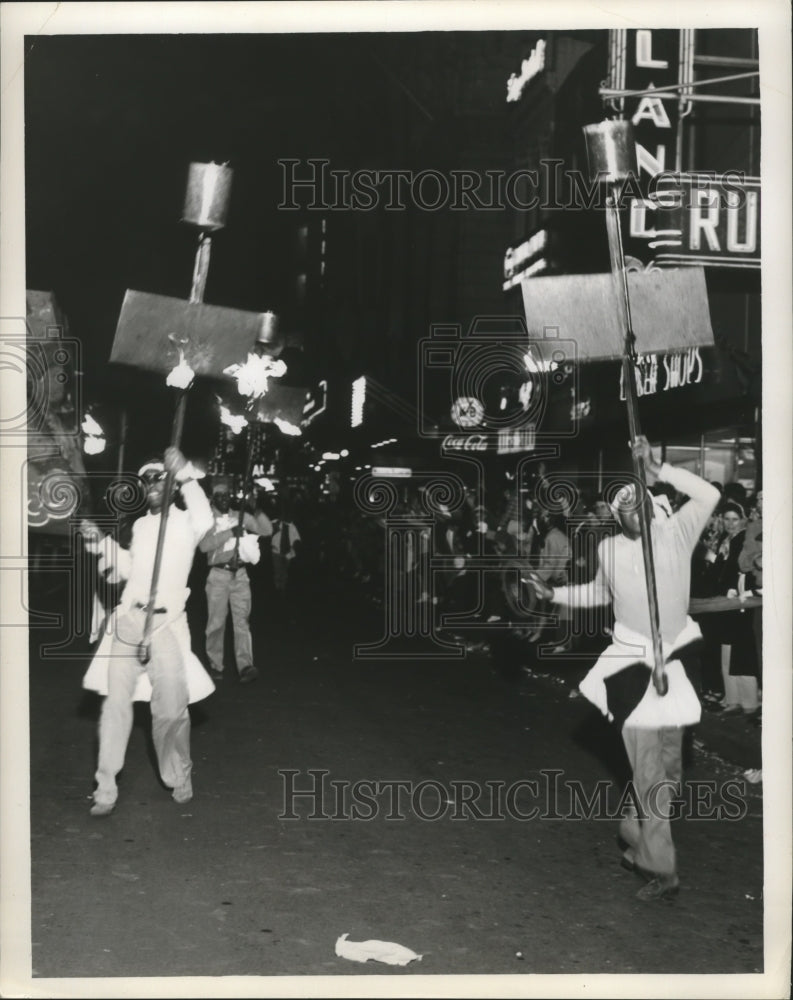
(285, 427)
(94, 441)
(90, 426)
(236, 421)
(253, 377)
(181, 375)
(94, 445)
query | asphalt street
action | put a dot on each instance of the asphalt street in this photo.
(463, 862)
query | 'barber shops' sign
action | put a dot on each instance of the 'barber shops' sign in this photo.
(662, 372)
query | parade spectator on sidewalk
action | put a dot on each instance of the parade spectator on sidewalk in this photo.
(595, 623)
(620, 683)
(750, 562)
(553, 567)
(173, 676)
(518, 522)
(285, 547)
(231, 546)
(731, 631)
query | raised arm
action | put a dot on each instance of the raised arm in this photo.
(693, 515)
(198, 508)
(195, 499)
(258, 523)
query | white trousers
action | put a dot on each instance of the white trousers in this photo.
(169, 712)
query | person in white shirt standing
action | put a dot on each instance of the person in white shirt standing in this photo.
(620, 683)
(231, 545)
(173, 677)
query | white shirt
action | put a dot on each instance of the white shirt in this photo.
(294, 536)
(620, 576)
(184, 530)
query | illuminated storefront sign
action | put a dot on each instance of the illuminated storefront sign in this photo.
(707, 219)
(513, 441)
(506, 442)
(652, 62)
(392, 472)
(524, 260)
(662, 372)
(467, 411)
(358, 400)
(466, 442)
(702, 219)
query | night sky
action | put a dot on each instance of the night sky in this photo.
(111, 126)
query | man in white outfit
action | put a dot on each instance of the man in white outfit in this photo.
(173, 676)
(620, 683)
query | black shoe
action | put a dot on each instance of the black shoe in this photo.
(248, 674)
(659, 888)
(216, 675)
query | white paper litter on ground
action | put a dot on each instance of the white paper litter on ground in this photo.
(379, 951)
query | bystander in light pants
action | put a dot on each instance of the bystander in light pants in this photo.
(656, 759)
(169, 712)
(225, 589)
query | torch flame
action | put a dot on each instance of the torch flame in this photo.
(94, 443)
(181, 375)
(253, 377)
(235, 421)
(90, 426)
(285, 427)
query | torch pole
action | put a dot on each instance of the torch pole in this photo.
(248, 468)
(616, 253)
(122, 442)
(200, 271)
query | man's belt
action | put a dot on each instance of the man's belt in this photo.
(227, 566)
(145, 607)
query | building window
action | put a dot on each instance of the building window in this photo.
(722, 456)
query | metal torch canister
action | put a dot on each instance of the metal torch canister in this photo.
(207, 199)
(269, 339)
(611, 151)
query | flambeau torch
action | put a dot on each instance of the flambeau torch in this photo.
(253, 381)
(611, 151)
(206, 208)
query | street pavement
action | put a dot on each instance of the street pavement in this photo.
(229, 884)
